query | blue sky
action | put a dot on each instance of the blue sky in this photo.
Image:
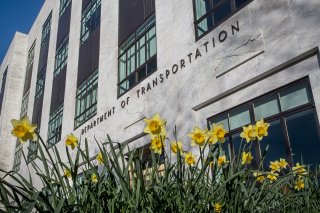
(16, 15)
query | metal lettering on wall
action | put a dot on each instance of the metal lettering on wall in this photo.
(165, 75)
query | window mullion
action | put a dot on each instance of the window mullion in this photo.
(286, 140)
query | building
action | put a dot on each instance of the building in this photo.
(98, 67)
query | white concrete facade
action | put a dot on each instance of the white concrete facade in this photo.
(276, 44)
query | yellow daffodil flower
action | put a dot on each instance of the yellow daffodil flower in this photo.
(274, 166)
(94, 178)
(175, 146)
(259, 177)
(24, 130)
(299, 184)
(222, 160)
(299, 169)
(198, 136)
(272, 176)
(72, 141)
(283, 163)
(248, 133)
(246, 158)
(261, 129)
(99, 158)
(155, 126)
(190, 158)
(217, 207)
(217, 133)
(67, 173)
(157, 143)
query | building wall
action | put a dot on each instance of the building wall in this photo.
(277, 43)
(15, 61)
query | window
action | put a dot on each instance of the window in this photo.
(31, 55)
(32, 150)
(293, 131)
(61, 56)
(46, 29)
(137, 56)
(17, 157)
(63, 5)
(24, 104)
(86, 99)
(40, 82)
(3, 86)
(210, 13)
(90, 19)
(55, 126)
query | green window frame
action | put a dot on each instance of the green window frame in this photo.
(46, 29)
(289, 110)
(17, 157)
(208, 14)
(137, 56)
(86, 100)
(32, 150)
(41, 77)
(90, 19)
(55, 126)
(31, 54)
(24, 104)
(61, 56)
(63, 5)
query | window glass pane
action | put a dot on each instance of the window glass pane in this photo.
(294, 97)
(220, 119)
(204, 25)
(131, 59)
(222, 11)
(240, 3)
(202, 6)
(152, 46)
(141, 49)
(304, 137)
(239, 118)
(275, 140)
(266, 107)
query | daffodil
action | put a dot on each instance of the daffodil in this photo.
(175, 146)
(99, 158)
(190, 158)
(67, 173)
(217, 207)
(198, 136)
(272, 176)
(155, 126)
(299, 184)
(283, 163)
(217, 133)
(248, 133)
(259, 177)
(94, 178)
(24, 130)
(72, 141)
(222, 160)
(299, 169)
(246, 158)
(261, 129)
(274, 166)
(157, 143)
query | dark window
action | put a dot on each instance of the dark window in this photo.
(63, 5)
(55, 126)
(40, 83)
(210, 13)
(46, 29)
(61, 56)
(17, 157)
(3, 85)
(293, 131)
(86, 99)
(31, 55)
(90, 19)
(138, 56)
(24, 104)
(32, 150)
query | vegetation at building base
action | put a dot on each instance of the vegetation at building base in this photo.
(212, 181)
